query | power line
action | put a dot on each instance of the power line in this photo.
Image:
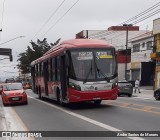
(139, 15)
(48, 19)
(142, 13)
(148, 16)
(60, 18)
(2, 14)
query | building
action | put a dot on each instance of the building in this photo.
(141, 65)
(116, 35)
(155, 56)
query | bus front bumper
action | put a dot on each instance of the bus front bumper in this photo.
(79, 96)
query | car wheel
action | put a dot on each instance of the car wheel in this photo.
(97, 102)
(157, 95)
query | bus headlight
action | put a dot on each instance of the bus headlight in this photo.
(74, 86)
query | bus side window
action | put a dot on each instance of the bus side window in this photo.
(36, 69)
(58, 69)
(49, 70)
(53, 69)
(42, 69)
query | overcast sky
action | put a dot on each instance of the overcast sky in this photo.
(26, 17)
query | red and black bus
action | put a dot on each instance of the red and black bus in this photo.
(77, 70)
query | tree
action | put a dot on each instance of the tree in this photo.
(35, 51)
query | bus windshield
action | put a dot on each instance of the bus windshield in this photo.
(92, 64)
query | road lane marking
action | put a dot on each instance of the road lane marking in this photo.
(21, 122)
(128, 105)
(19, 119)
(14, 123)
(108, 127)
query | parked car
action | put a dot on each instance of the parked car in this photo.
(125, 87)
(13, 93)
(157, 94)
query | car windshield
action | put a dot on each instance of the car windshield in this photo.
(10, 87)
(92, 64)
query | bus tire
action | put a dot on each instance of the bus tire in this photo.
(97, 102)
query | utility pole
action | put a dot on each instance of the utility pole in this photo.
(126, 25)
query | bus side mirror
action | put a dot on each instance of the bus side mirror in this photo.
(67, 60)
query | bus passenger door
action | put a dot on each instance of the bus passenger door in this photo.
(63, 77)
(45, 68)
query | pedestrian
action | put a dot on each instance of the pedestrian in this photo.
(137, 83)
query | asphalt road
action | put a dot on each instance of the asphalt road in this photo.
(126, 114)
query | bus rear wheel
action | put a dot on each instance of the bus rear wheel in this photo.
(97, 102)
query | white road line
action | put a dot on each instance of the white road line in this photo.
(144, 98)
(14, 123)
(87, 119)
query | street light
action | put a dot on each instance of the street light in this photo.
(126, 25)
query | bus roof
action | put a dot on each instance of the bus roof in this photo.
(73, 43)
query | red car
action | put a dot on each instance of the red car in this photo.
(13, 93)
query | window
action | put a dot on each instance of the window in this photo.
(53, 70)
(143, 44)
(136, 48)
(50, 69)
(149, 45)
(58, 68)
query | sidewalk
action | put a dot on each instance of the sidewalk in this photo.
(2, 118)
(146, 93)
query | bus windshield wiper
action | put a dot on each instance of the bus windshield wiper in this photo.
(90, 71)
(99, 71)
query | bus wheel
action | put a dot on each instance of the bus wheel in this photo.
(157, 95)
(97, 102)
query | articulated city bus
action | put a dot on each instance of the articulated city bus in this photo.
(76, 70)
